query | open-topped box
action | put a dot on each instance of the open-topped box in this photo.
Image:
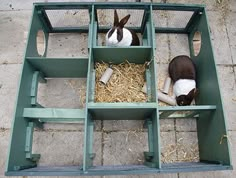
(86, 18)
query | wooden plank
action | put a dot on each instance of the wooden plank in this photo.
(54, 114)
(134, 54)
(187, 108)
(60, 67)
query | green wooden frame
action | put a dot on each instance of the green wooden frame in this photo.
(29, 114)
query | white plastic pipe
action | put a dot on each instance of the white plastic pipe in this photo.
(166, 85)
(144, 89)
(106, 76)
(166, 98)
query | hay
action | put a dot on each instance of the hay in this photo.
(125, 84)
(180, 153)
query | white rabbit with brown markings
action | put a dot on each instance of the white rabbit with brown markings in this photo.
(120, 36)
(182, 71)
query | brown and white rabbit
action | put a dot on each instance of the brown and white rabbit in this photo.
(183, 73)
(120, 36)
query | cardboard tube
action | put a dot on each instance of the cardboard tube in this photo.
(166, 98)
(166, 86)
(106, 76)
(144, 89)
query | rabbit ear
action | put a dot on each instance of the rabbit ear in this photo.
(124, 21)
(116, 19)
(193, 93)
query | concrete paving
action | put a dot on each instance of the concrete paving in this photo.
(115, 142)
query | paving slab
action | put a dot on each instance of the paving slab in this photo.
(53, 146)
(10, 76)
(187, 147)
(67, 45)
(227, 82)
(232, 5)
(9, 80)
(14, 28)
(179, 45)
(210, 5)
(231, 29)
(220, 174)
(219, 38)
(63, 148)
(123, 148)
(168, 147)
(145, 175)
(64, 93)
(167, 125)
(187, 125)
(123, 125)
(162, 48)
(7, 103)
(4, 140)
(162, 74)
(12, 5)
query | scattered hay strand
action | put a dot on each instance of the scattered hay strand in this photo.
(180, 153)
(125, 84)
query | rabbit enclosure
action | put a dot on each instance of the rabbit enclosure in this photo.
(182, 28)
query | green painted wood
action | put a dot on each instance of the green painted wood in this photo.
(153, 73)
(34, 88)
(16, 154)
(166, 114)
(81, 29)
(156, 140)
(121, 170)
(54, 114)
(88, 130)
(150, 136)
(170, 30)
(195, 17)
(60, 67)
(118, 5)
(33, 157)
(104, 29)
(29, 137)
(29, 142)
(90, 139)
(121, 114)
(121, 111)
(36, 25)
(134, 54)
(88, 147)
(170, 112)
(178, 7)
(210, 123)
(181, 115)
(92, 105)
(193, 114)
(187, 108)
(152, 64)
(144, 20)
(211, 126)
(45, 21)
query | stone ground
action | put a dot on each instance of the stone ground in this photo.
(116, 138)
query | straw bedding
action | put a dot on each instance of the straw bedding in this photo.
(125, 84)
